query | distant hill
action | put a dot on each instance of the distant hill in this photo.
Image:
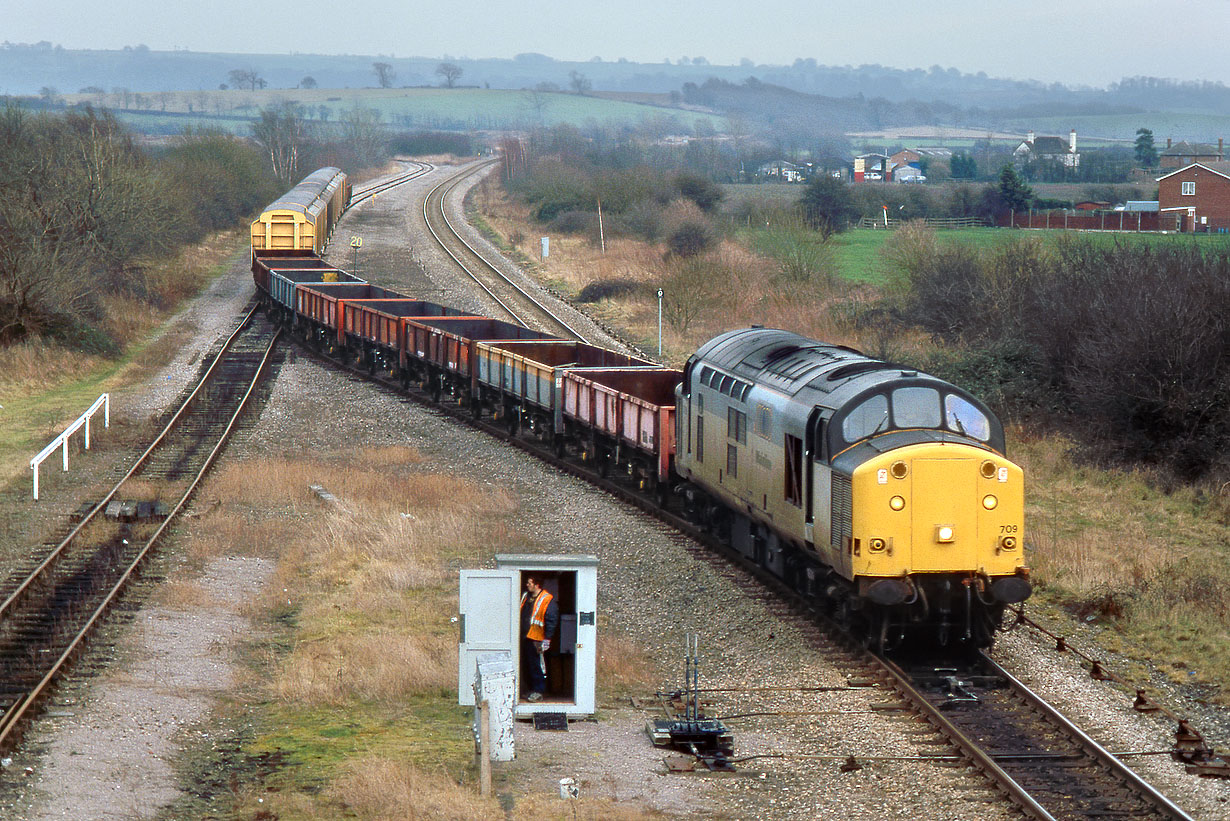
(837, 97)
(457, 109)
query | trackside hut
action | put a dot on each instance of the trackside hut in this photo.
(1198, 196)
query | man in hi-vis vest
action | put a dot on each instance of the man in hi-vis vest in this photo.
(539, 617)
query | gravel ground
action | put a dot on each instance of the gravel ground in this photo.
(654, 586)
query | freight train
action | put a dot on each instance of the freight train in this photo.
(881, 492)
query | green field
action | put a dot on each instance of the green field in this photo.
(858, 257)
(466, 109)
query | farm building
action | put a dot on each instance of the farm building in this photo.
(1198, 196)
(870, 167)
(785, 171)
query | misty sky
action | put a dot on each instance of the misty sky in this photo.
(1080, 42)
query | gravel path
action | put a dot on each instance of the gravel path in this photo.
(654, 586)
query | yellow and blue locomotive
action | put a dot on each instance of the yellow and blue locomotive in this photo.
(879, 489)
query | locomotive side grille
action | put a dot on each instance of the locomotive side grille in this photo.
(843, 511)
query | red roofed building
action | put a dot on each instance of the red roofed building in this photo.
(1198, 196)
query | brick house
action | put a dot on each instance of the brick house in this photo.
(1198, 196)
(1183, 154)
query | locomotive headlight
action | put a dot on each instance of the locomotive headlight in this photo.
(944, 533)
(876, 545)
(990, 502)
(897, 503)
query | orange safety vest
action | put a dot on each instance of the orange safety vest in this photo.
(539, 615)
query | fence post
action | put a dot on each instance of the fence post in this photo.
(484, 748)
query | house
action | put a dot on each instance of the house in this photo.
(1198, 196)
(1048, 149)
(782, 170)
(1183, 154)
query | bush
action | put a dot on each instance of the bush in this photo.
(608, 289)
(689, 240)
(218, 179)
(705, 193)
(574, 222)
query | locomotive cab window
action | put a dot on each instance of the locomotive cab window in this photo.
(869, 418)
(916, 408)
(962, 416)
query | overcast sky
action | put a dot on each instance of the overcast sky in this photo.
(1081, 42)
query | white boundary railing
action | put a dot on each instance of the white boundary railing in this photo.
(61, 441)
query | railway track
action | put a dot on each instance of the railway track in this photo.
(515, 302)
(48, 610)
(414, 170)
(1042, 761)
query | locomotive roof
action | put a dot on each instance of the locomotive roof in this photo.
(301, 197)
(794, 364)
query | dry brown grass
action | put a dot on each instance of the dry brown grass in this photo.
(370, 580)
(747, 288)
(547, 808)
(377, 789)
(380, 665)
(372, 487)
(1117, 548)
(36, 365)
(181, 595)
(623, 667)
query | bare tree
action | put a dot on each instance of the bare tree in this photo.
(77, 212)
(364, 133)
(124, 94)
(578, 82)
(308, 82)
(282, 132)
(537, 101)
(50, 94)
(450, 72)
(247, 78)
(385, 75)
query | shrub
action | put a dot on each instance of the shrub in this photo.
(608, 289)
(689, 240)
(705, 193)
(574, 222)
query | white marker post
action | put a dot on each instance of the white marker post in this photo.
(660, 292)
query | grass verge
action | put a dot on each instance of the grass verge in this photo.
(350, 702)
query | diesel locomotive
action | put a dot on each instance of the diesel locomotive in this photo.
(883, 492)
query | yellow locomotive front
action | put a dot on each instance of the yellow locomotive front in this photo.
(940, 509)
(936, 527)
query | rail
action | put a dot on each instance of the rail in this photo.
(61, 441)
